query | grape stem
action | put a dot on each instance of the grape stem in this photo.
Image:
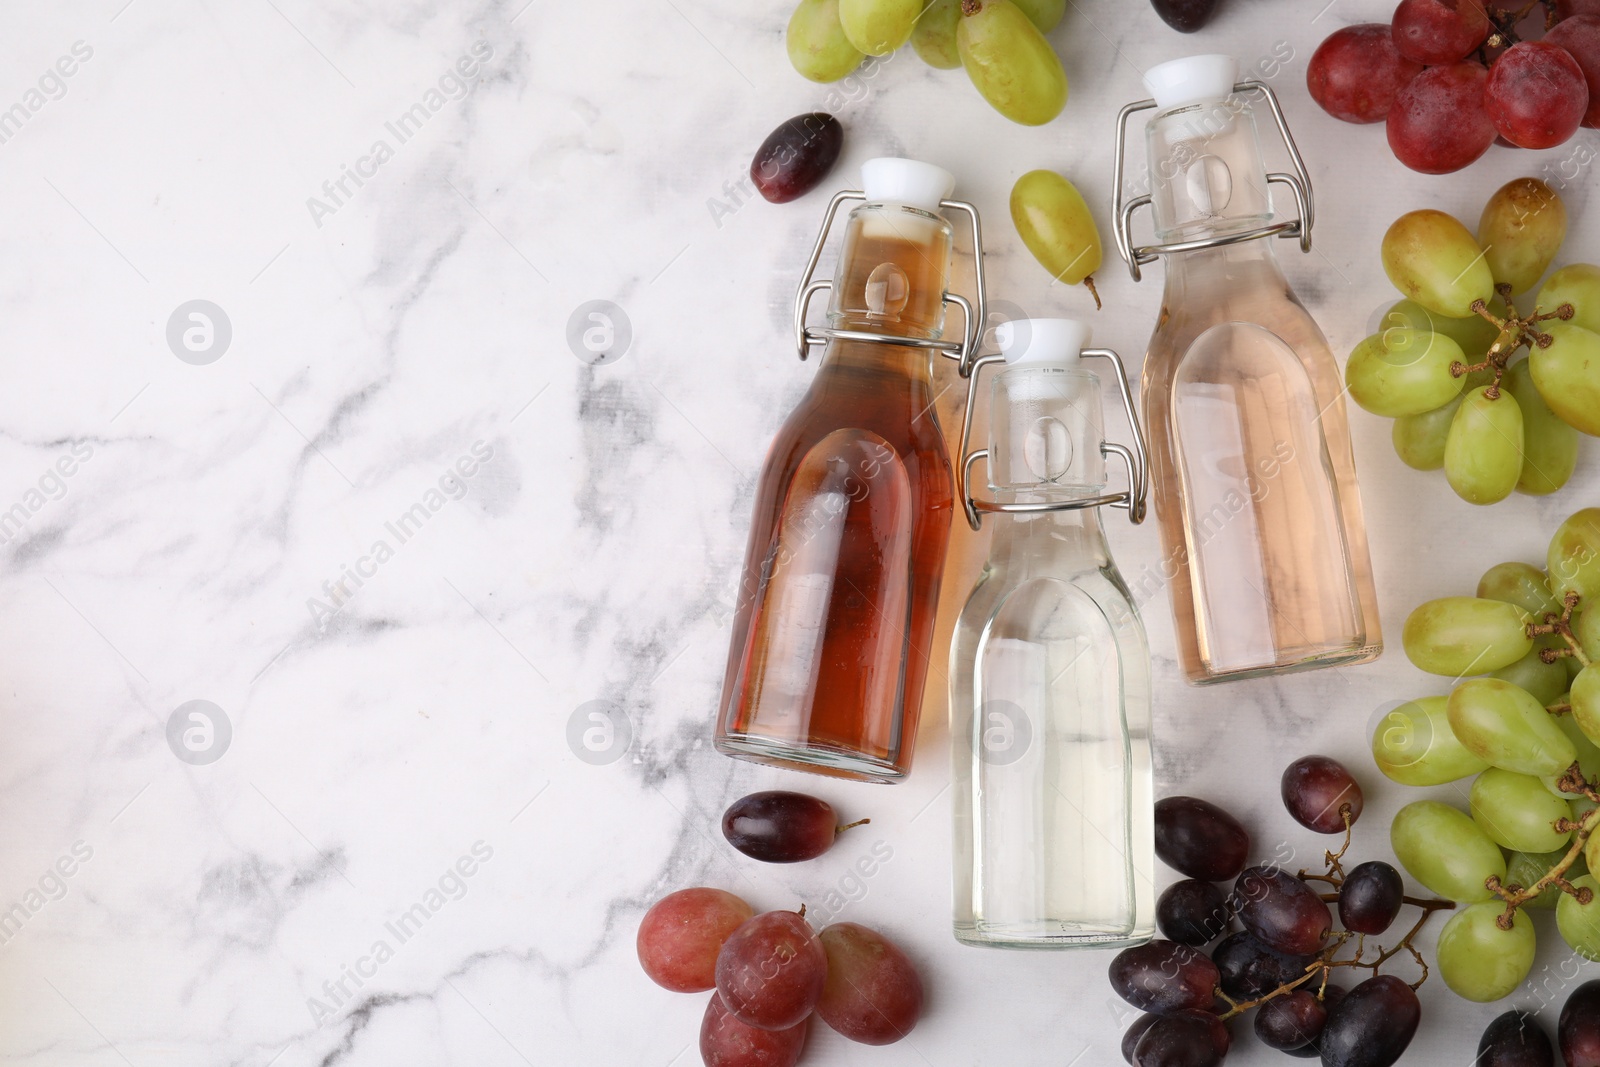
(1515, 896)
(1516, 332)
(837, 830)
(1561, 624)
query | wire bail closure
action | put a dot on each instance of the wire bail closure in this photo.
(1133, 500)
(1300, 182)
(964, 351)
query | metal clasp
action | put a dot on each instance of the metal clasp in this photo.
(1133, 501)
(1300, 182)
(963, 351)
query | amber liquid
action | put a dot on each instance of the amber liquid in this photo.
(833, 635)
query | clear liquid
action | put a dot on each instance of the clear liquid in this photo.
(1050, 735)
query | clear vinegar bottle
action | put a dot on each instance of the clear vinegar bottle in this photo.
(1050, 671)
(1251, 466)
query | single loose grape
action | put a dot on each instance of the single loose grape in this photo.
(727, 1042)
(1414, 745)
(1403, 372)
(778, 826)
(1445, 850)
(817, 46)
(934, 38)
(1573, 560)
(1483, 451)
(1567, 373)
(1433, 259)
(796, 156)
(1480, 961)
(1460, 635)
(1010, 62)
(770, 973)
(878, 27)
(1523, 227)
(873, 993)
(1419, 440)
(681, 934)
(1578, 285)
(1057, 227)
(1517, 812)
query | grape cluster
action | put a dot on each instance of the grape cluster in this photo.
(1442, 366)
(1523, 719)
(1449, 78)
(1279, 959)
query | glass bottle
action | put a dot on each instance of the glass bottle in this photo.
(1050, 672)
(833, 627)
(1251, 466)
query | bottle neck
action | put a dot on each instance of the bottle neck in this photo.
(1062, 542)
(1207, 174)
(1236, 270)
(893, 272)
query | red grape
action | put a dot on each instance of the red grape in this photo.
(1514, 1039)
(680, 936)
(1536, 95)
(1247, 968)
(1357, 71)
(1315, 788)
(1566, 9)
(1580, 36)
(1438, 124)
(1130, 1039)
(1185, 16)
(1163, 977)
(1439, 31)
(1291, 1021)
(1372, 1025)
(781, 827)
(1370, 897)
(770, 973)
(1186, 1039)
(873, 994)
(796, 156)
(727, 1042)
(1199, 839)
(1192, 912)
(1281, 911)
(1578, 1032)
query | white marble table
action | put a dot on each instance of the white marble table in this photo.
(397, 536)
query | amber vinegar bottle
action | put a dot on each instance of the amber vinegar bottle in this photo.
(832, 634)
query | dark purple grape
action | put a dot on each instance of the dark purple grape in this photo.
(1198, 839)
(1315, 788)
(1291, 1021)
(1186, 1039)
(1248, 969)
(1281, 911)
(1185, 16)
(1372, 1025)
(1578, 1032)
(1130, 1039)
(1371, 897)
(781, 827)
(1192, 912)
(1163, 977)
(1515, 1039)
(796, 156)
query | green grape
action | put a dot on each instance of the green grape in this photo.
(1567, 374)
(1445, 850)
(1581, 807)
(1057, 226)
(1544, 681)
(1580, 923)
(1523, 227)
(1524, 869)
(1507, 728)
(1521, 584)
(935, 35)
(1483, 452)
(1549, 443)
(1585, 701)
(1518, 812)
(1419, 439)
(1474, 333)
(1588, 751)
(1414, 745)
(1433, 259)
(817, 46)
(878, 27)
(1010, 62)
(1478, 960)
(1045, 14)
(1403, 372)
(1573, 562)
(1578, 285)
(1462, 635)
(1586, 628)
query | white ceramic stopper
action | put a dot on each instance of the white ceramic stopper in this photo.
(905, 181)
(1041, 342)
(1195, 80)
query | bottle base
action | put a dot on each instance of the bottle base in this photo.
(812, 759)
(1346, 656)
(1048, 935)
